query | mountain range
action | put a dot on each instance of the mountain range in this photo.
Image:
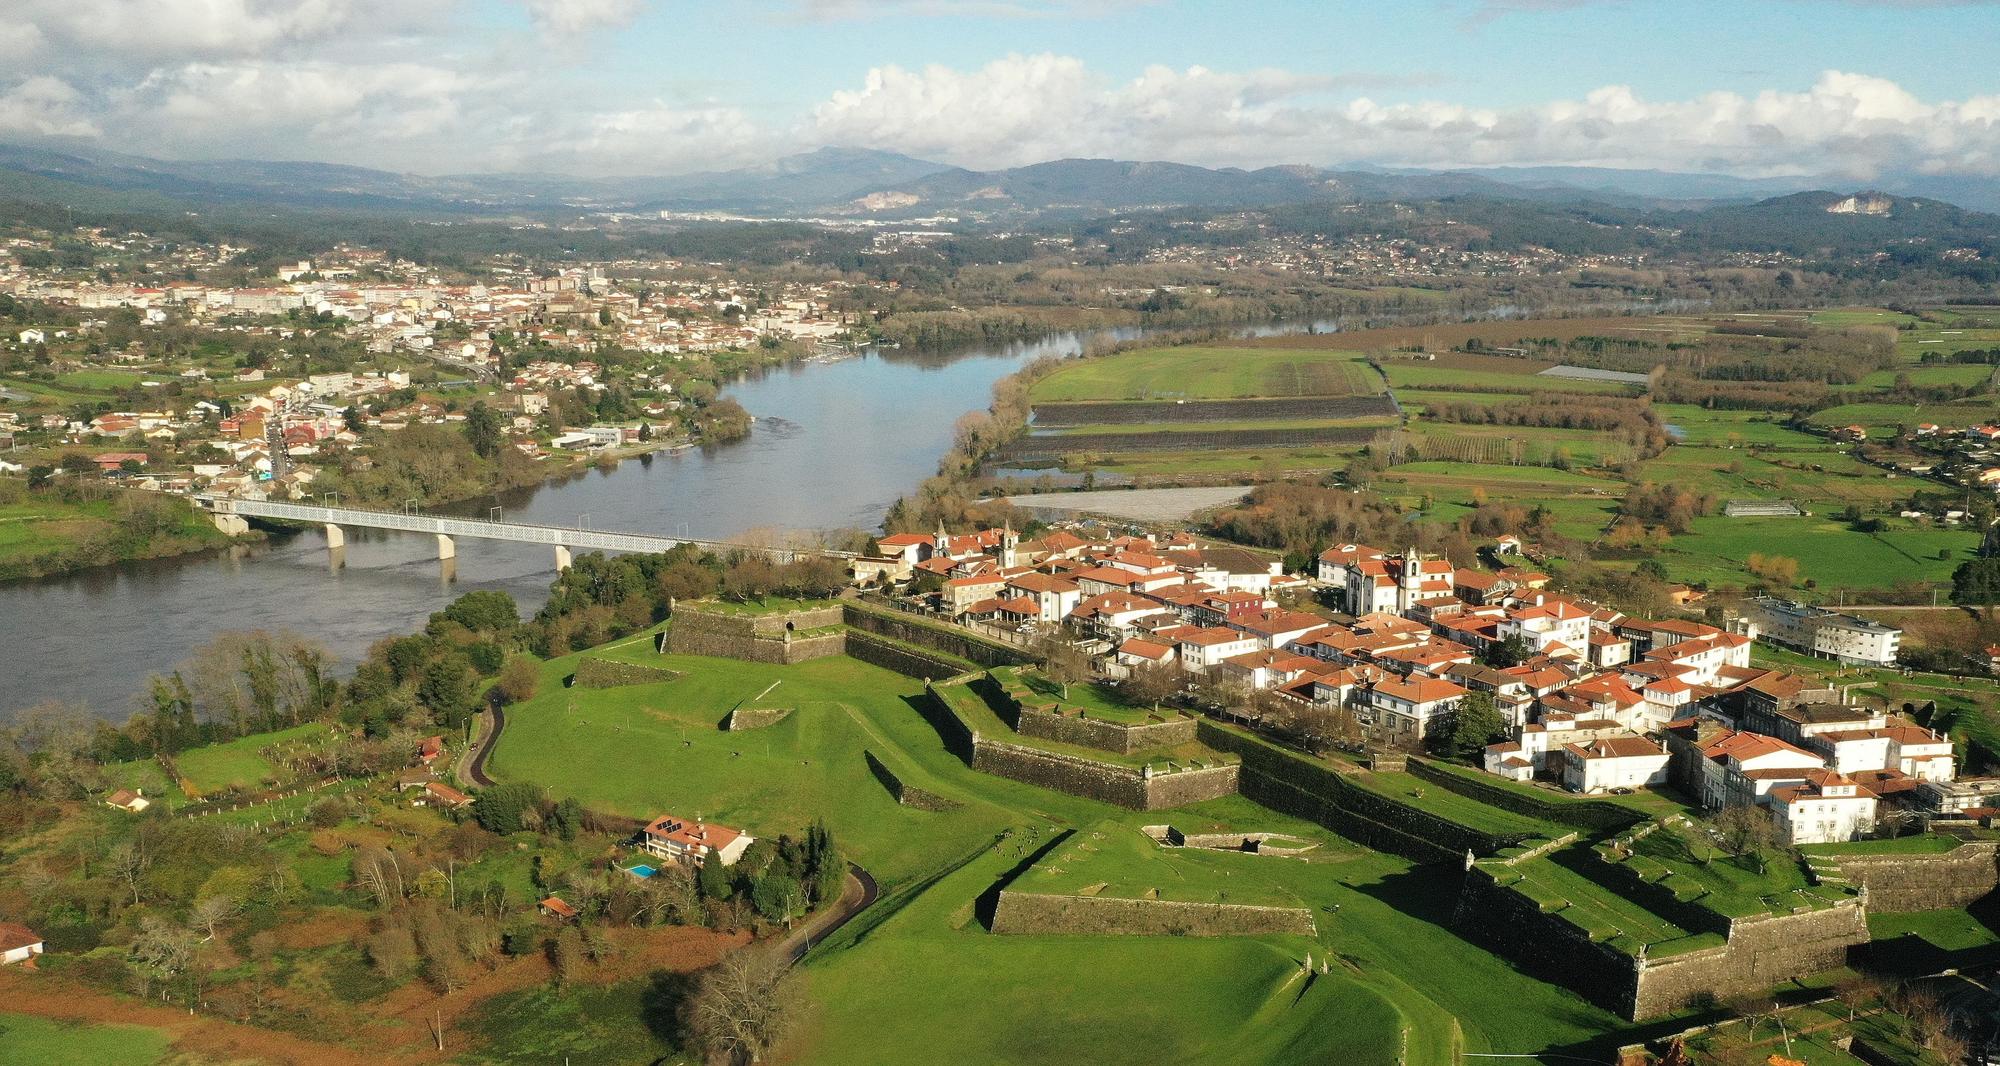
(863, 183)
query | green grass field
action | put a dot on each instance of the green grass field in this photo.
(918, 979)
(1700, 426)
(1114, 860)
(1210, 374)
(1828, 551)
(29, 1039)
(1415, 375)
(239, 763)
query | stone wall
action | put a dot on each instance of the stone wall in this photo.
(1762, 952)
(907, 795)
(1036, 914)
(1759, 953)
(902, 658)
(1101, 781)
(1103, 735)
(1926, 882)
(593, 672)
(1364, 813)
(1511, 924)
(936, 636)
(1583, 813)
(754, 718)
(758, 639)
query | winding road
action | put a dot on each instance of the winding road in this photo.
(475, 768)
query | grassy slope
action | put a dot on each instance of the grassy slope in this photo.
(238, 763)
(919, 980)
(44, 1042)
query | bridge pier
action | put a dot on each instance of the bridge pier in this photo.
(447, 549)
(562, 559)
(336, 537)
(232, 524)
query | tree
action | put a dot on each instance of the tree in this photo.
(211, 911)
(518, 680)
(1513, 651)
(447, 686)
(127, 862)
(1062, 661)
(1154, 683)
(1744, 830)
(1476, 723)
(483, 430)
(778, 896)
(483, 611)
(567, 953)
(1976, 583)
(498, 809)
(744, 1006)
(714, 881)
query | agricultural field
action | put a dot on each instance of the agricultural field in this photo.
(1829, 553)
(1492, 374)
(27, 1038)
(1210, 374)
(1204, 411)
(239, 763)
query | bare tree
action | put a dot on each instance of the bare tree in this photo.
(1744, 830)
(744, 1006)
(1062, 661)
(1154, 683)
(211, 911)
(128, 862)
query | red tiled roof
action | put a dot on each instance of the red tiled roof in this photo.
(15, 935)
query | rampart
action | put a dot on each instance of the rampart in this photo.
(1102, 781)
(592, 672)
(1758, 952)
(783, 638)
(935, 636)
(907, 795)
(1033, 913)
(1944, 880)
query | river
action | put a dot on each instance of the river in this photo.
(834, 444)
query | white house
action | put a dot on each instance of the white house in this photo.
(33, 336)
(693, 842)
(1613, 762)
(18, 943)
(1410, 707)
(1818, 631)
(1826, 808)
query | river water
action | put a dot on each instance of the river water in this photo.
(834, 444)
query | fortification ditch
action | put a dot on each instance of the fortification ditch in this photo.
(1036, 914)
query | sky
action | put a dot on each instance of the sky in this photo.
(1854, 89)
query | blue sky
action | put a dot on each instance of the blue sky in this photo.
(1845, 87)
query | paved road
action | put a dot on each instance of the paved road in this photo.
(476, 769)
(861, 892)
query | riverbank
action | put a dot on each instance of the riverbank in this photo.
(43, 535)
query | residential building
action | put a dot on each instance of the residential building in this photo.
(1820, 632)
(693, 842)
(1599, 766)
(18, 944)
(1826, 808)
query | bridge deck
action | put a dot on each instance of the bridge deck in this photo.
(486, 529)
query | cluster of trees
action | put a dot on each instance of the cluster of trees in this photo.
(1543, 410)
(1670, 505)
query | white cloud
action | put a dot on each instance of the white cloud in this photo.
(571, 17)
(1027, 108)
(183, 29)
(44, 106)
(845, 10)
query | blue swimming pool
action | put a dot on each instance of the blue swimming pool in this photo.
(642, 870)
